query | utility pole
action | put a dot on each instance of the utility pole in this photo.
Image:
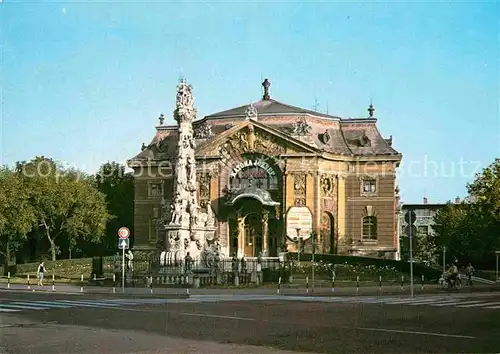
(298, 248)
(444, 259)
(313, 237)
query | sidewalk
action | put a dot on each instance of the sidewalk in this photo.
(284, 290)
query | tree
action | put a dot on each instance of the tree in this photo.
(118, 186)
(65, 202)
(471, 231)
(17, 216)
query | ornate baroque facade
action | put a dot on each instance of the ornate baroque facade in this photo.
(271, 172)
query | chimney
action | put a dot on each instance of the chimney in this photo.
(425, 200)
(457, 200)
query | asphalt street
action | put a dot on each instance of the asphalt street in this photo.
(254, 323)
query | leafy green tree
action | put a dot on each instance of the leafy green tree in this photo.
(471, 231)
(66, 202)
(17, 215)
(118, 186)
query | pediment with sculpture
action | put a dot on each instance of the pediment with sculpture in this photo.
(250, 137)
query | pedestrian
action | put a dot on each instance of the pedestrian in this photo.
(40, 272)
(188, 260)
(469, 271)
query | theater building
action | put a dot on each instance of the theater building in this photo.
(278, 177)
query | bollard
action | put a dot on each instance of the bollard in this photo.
(95, 279)
(187, 291)
(380, 284)
(29, 286)
(357, 285)
(8, 280)
(333, 283)
(53, 282)
(114, 283)
(422, 282)
(279, 285)
(81, 287)
(307, 285)
(151, 284)
(402, 282)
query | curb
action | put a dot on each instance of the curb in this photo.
(101, 294)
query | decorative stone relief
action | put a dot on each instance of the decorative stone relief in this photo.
(204, 185)
(267, 144)
(327, 185)
(301, 127)
(250, 140)
(325, 137)
(299, 189)
(203, 131)
(251, 112)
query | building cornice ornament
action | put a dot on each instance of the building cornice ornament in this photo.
(251, 112)
(203, 131)
(301, 127)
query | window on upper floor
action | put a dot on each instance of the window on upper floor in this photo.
(155, 190)
(423, 230)
(369, 185)
(369, 228)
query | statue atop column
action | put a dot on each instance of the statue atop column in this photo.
(184, 221)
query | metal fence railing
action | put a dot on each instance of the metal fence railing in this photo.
(227, 271)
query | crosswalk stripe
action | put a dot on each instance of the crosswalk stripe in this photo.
(37, 304)
(413, 301)
(8, 310)
(481, 304)
(22, 307)
(493, 307)
(54, 303)
(455, 303)
(423, 302)
(89, 302)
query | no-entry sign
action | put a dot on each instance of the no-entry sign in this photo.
(123, 233)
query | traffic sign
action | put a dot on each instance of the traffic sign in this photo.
(123, 233)
(413, 230)
(123, 244)
(410, 217)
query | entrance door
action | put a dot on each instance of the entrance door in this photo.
(253, 235)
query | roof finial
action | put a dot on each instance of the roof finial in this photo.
(371, 110)
(266, 85)
(161, 118)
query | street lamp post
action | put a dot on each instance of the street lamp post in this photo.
(498, 255)
(298, 248)
(444, 259)
(313, 238)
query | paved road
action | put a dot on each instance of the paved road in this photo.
(55, 323)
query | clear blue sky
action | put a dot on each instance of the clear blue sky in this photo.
(84, 82)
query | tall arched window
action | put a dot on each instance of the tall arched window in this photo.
(369, 228)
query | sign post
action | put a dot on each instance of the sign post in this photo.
(497, 254)
(410, 218)
(123, 243)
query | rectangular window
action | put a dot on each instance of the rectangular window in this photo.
(153, 230)
(369, 186)
(423, 230)
(155, 190)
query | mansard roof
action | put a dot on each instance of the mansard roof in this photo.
(356, 137)
(267, 107)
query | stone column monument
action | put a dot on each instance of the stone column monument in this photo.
(187, 227)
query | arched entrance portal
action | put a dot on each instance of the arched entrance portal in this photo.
(253, 207)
